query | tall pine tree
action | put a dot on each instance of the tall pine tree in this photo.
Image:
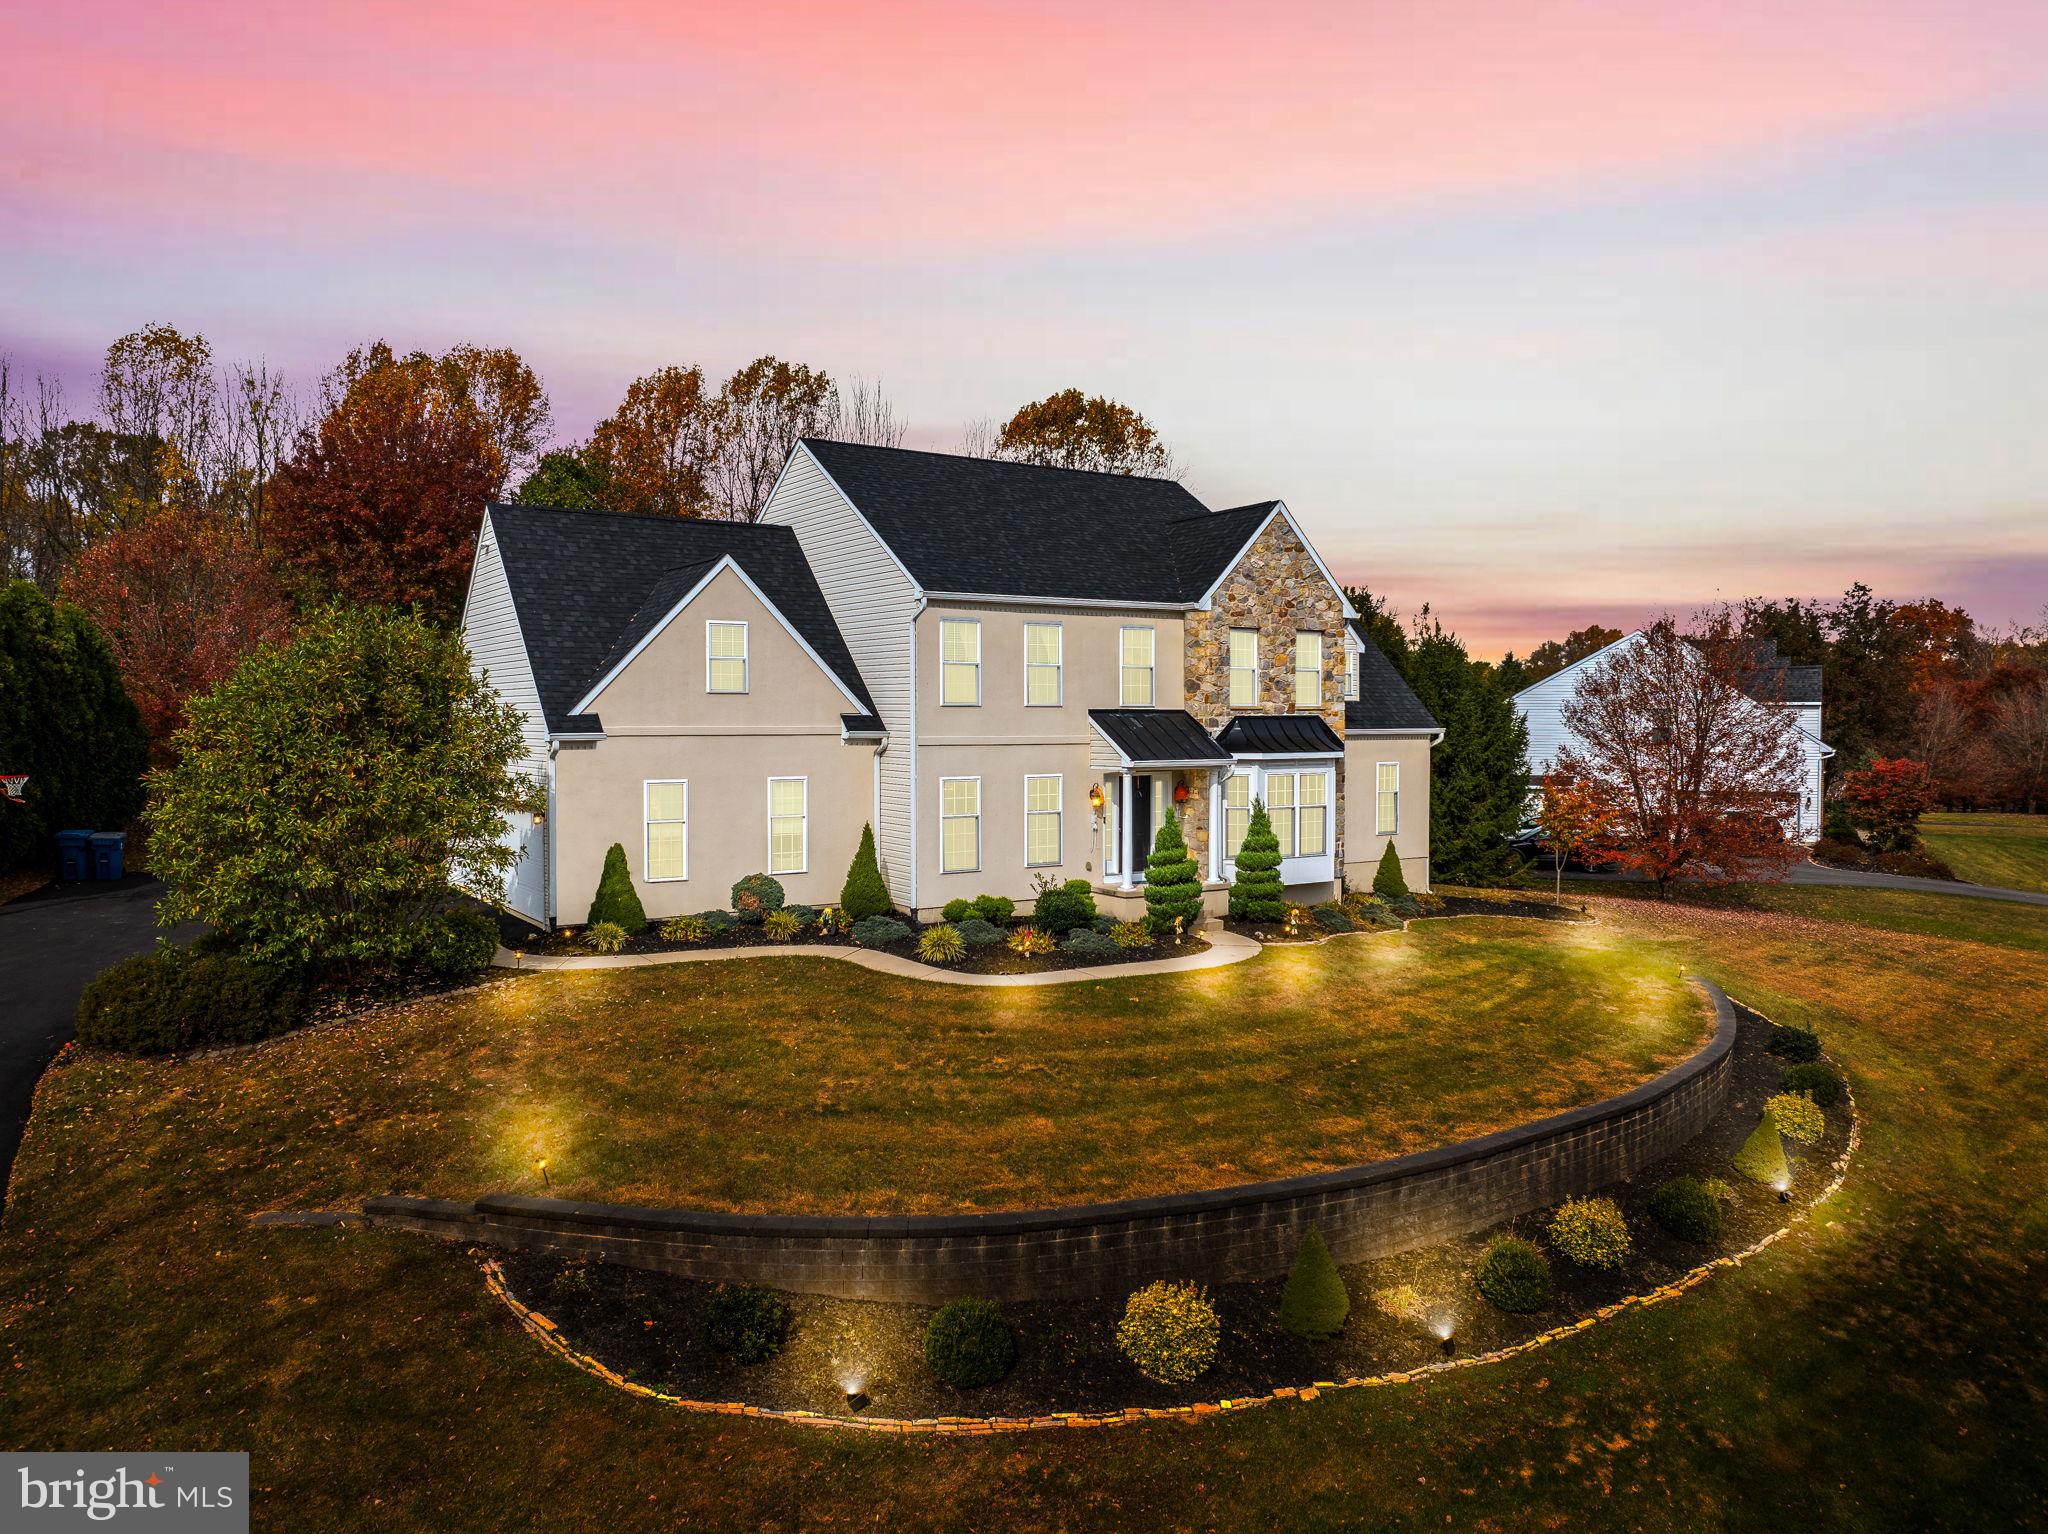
(1479, 773)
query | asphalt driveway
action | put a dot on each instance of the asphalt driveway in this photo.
(49, 948)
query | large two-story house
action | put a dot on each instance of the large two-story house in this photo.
(1011, 672)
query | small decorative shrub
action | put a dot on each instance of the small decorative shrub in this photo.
(1405, 907)
(1031, 940)
(1170, 1332)
(604, 937)
(996, 910)
(1387, 880)
(616, 900)
(805, 915)
(879, 931)
(1255, 888)
(941, 945)
(1685, 1207)
(685, 929)
(1762, 1157)
(1131, 934)
(976, 933)
(458, 945)
(783, 926)
(1591, 1232)
(958, 909)
(1315, 1302)
(1797, 1116)
(718, 921)
(754, 896)
(1332, 917)
(1816, 1080)
(866, 892)
(176, 998)
(1799, 1045)
(1370, 911)
(1717, 1190)
(1062, 908)
(746, 1321)
(968, 1343)
(1104, 924)
(1173, 883)
(1086, 940)
(1514, 1276)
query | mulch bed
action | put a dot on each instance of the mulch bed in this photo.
(1444, 905)
(646, 1326)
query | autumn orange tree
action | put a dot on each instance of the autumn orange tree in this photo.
(1887, 799)
(1071, 430)
(655, 452)
(1677, 738)
(1577, 821)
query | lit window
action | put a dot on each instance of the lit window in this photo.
(1244, 668)
(667, 851)
(1313, 839)
(959, 825)
(1237, 812)
(1280, 809)
(1042, 655)
(725, 650)
(1137, 668)
(960, 662)
(788, 832)
(1387, 807)
(1041, 821)
(1308, 670)
(1351, 671)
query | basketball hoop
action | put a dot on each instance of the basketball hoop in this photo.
(12, 783)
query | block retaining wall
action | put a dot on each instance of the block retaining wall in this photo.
(1220, 1234)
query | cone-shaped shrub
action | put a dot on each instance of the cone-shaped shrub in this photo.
(1762, 1157)
(1256, 894)
(617, 901)
(1387, 882)
(1173, 885)
(1315, 1302)
(865, 892)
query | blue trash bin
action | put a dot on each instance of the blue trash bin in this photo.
(109, 850)
(74, 856)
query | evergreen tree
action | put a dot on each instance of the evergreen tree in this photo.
(1173, 885)
(1315, 1302)
(865, 892)
(1387, 880)
(616, 899)
(1256, 894)
(1479, 774)
(1762, 1157)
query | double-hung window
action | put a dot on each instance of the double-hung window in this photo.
(1351, 671)
(1136, 645)
(960, 662)
(725, 657)
(789, 839)
(1312, 839)
(959, 825)
(1308, 670)
(1280, 809)
(1041, 820)
(1043, 656)
(1244, 668)
(665, 853)
(1237, 812)
(1387, 798)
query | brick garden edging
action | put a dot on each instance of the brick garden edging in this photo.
(544, 1331)
(1216, 1235)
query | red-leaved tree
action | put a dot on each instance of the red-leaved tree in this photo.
(1577, 821)
(182, 598)
(1888, 798)
(1698, 769)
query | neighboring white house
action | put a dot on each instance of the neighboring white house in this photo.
(1779, 683)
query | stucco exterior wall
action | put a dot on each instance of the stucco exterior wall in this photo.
(1363, 845)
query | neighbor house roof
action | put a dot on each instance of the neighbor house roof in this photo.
(986, 527)
(1385, 701)
(590, 585)
(1158, 737)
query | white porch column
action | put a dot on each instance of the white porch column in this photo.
(1123, 830)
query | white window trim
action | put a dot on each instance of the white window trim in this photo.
(1231, 668)
(975, 624)
(1059, 815)
(1151, 670)
(746, 656)
(804, 820)
(1059, 666)
(1253, 796)
(1301, 671)
(647, 824)
(944, 817)
(1377, 828)
(1350, 671)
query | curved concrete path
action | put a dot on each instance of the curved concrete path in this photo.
(1225, 947)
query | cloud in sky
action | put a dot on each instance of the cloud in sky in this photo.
(1630, 304)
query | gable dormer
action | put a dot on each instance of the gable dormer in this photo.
(1271, 637)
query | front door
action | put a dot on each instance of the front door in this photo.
(1139, 836)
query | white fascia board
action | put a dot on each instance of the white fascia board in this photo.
(1575, 665)
(469, 590)
(1286, 756)
(725, 562)
(1113, 603)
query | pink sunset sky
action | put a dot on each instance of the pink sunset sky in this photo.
(1544, 313)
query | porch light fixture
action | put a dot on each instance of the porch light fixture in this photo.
(1095, 800)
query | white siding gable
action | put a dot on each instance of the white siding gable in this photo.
(497, 649)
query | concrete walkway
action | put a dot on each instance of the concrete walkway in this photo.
(1224, 948)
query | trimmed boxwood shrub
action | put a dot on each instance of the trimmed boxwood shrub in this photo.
(604, 937)
(746, 1321)
(755, 895)
(1387, 880)
(996, 910)
(616, 900)
(878, 931)
(1797, 1117)
(177, 998)
(1315, 1302)
(718, 921)
(976, 933)
(1684, 1207)
(1170, 1332)
(958, 909)
(941, 945)
(1799, 1045)
(1514, 1276)
(968, 1343)
(1065, 908)
(1816, 1080)
(458, 945)
(866, 892)
(1088, 940)
(1256, 893)
(1591, 1232)
(1173, 884)
(1762, 1157)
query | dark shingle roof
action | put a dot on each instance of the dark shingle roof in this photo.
(588, 585)
(1279, 735)
(1157, 735)
(1385, 701)
(985, 527)
(1772, 678)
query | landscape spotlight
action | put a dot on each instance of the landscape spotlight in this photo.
(1443, 1331)
(540, 1165)
(856, 1398)
(1784, 1188)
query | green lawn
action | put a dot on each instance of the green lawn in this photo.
(1881, 1369)
(2009, 851)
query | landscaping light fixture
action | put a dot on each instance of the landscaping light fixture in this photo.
(856, 1398)
(540, 1165)
(1447, 1338)
(1784, 1187)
